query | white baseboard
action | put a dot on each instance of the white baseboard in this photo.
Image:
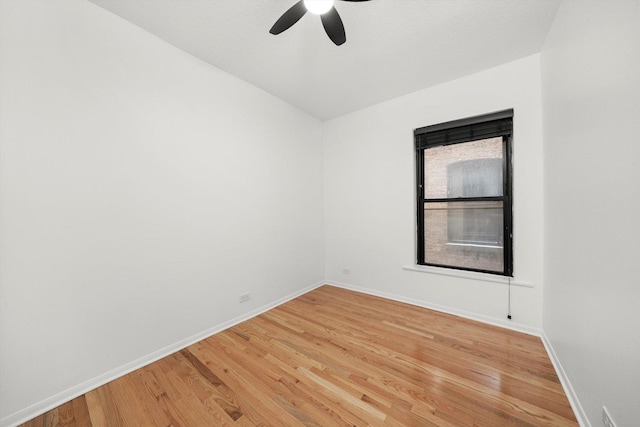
(581, 416)
(45, 405)
(519, 327)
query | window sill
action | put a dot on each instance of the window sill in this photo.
(474, 245)
(483, 277)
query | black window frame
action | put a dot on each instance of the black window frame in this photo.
(497, 124)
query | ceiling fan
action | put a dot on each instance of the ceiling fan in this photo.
(328, 14)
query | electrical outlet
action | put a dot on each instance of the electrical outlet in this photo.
(346, 271)
(245, 297)
(606, 418)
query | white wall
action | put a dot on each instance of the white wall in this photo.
(369, 182)
(591, 103)
(141, 191)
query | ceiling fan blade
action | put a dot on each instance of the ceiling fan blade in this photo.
(333, 26)
(289, 18)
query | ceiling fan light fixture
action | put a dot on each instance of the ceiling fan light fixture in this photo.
(318, 7)
(330, 18)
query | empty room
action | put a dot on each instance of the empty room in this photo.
(319, 213)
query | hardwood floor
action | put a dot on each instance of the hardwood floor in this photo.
(334, 357)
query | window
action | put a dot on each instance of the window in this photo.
(463, 186)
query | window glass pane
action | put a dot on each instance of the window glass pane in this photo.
(469, 169)
(464, 234)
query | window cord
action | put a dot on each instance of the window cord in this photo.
(509, 300)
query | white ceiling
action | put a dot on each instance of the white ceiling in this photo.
(393, 47)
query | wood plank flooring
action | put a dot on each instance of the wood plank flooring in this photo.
(334, 357)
